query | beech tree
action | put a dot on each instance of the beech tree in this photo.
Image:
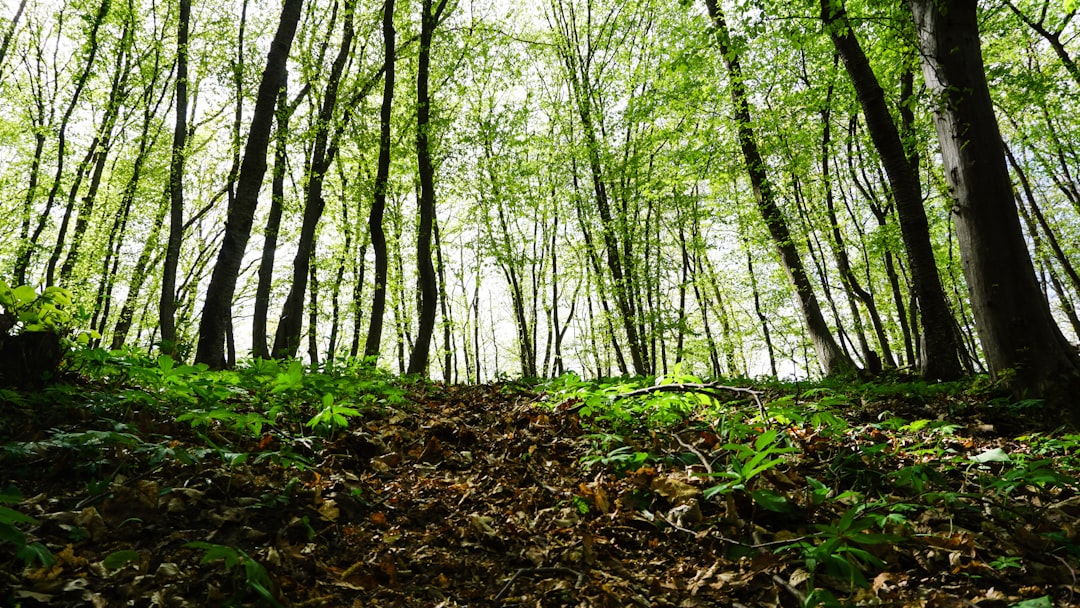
(1021, 340)
(830, 356)
(217, 309)
(167, 307)
(373, 342)
(430, 15)
(940, 358)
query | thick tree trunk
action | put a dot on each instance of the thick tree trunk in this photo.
(832, 359)
(1012, 317)
(217, 310)
(939, 357)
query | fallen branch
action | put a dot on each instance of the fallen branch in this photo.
(523, 571)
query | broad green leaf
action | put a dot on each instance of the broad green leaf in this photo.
(1038, 602)
(991, 455)
(119, 559)
(11, 516)
(23, 295)
(772, 501)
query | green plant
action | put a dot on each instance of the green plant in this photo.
(332, 416)
(241, 565)
(837, 547)
(749, 461)
(29, 553)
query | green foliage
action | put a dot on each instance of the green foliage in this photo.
(10, 534)
(53, 311)
(749, 461)
(241, 565)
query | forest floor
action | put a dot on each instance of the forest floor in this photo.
(530, 495)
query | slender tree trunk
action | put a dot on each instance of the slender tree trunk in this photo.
(1014, 322)
(832, 359)
(444, 309)
(259, 347)
(759, 311)
(217, 310)
(939, 358)
(138, 277)
(428, 285)
(375, 219)
(287, 336)
(25, 255)
(313, 316)
(167, 306)
(9, 34)
(1042, 224)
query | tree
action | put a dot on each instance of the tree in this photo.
(832, 359)
(167, 306)
(1021, 341)
(940, 358)
(373, 341)
(428, 283)
(217, 309)
(323, 151)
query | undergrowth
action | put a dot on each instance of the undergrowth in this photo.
(852, 480)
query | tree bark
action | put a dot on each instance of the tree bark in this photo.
(287, 336)
(373, 342)
(217, 310)
(1012, 317)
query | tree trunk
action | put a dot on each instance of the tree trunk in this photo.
(259, 347)
(1015, 326)
(428, 285)
(167, 305)
(939, 357)
(217, 310)
(287, 336)
(9, 34)
(375, 219)
(832, 359)
(26, 249)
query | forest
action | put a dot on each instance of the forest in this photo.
(796, 281)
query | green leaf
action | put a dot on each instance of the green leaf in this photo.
(23, 295)
(772, 501)
(213, 552)
(11, 516)
(119, 559)
(1038, 602)
(36, 552)
(12, 535)
(991, 455)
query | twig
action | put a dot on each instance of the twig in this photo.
(695, 452)
(1071, 571)
(799, 597)
(556, 570)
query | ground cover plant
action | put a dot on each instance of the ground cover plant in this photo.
(135, 480)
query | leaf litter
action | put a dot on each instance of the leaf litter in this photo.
(519, 495)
